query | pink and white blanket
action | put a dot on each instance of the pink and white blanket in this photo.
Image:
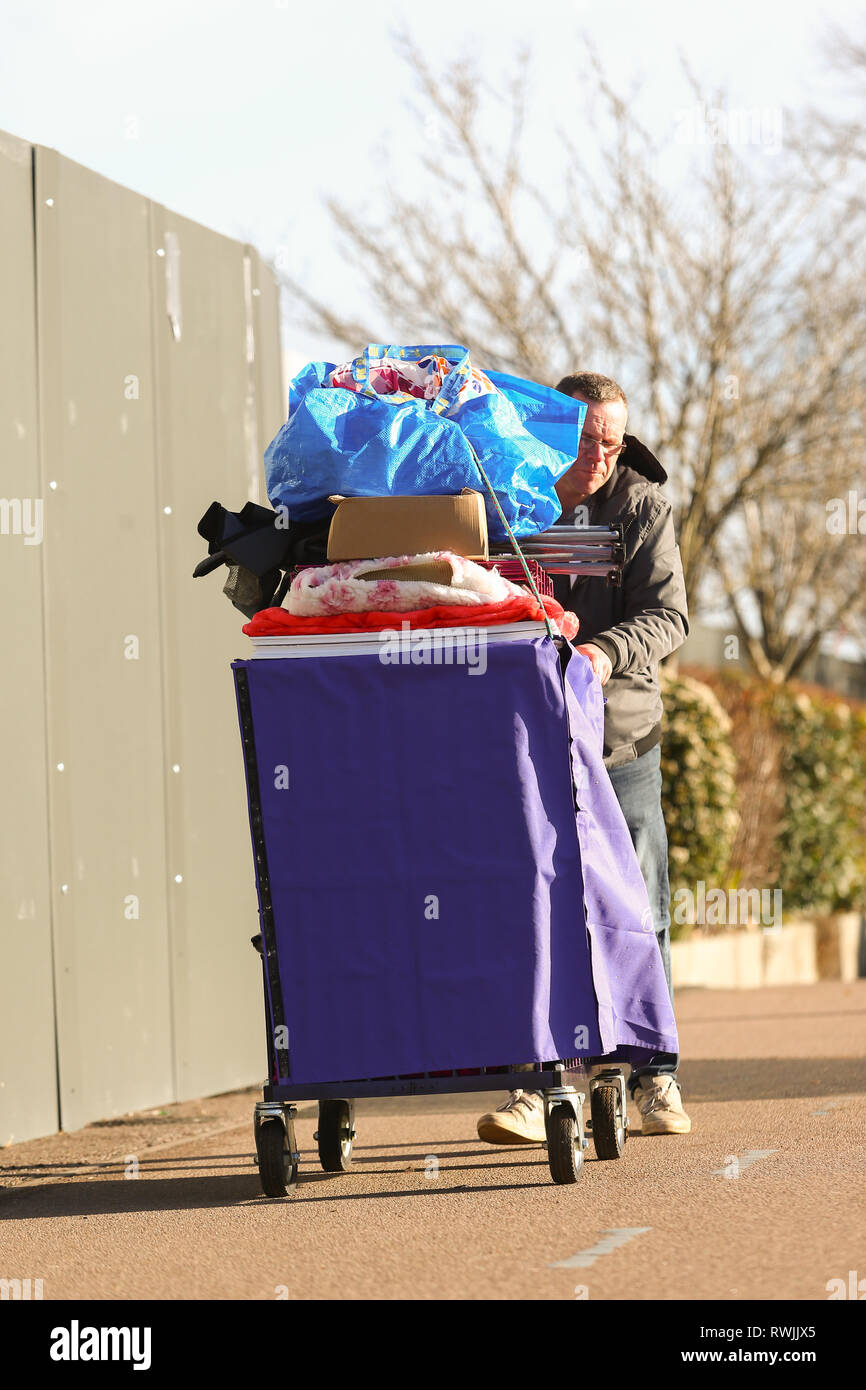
(339, 588)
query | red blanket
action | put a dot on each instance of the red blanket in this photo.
(277, 622)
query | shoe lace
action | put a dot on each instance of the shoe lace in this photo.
(527, 1099)
(659, 1098)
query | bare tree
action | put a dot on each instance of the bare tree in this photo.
(788, 581)
(729, 306)
(832, 145)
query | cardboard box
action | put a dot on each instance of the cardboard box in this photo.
(371, 527)
(428, 571)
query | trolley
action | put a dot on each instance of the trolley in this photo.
(565, 1083)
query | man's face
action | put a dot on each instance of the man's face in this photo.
(604, 425)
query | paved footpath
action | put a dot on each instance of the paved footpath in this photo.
(764, 1199)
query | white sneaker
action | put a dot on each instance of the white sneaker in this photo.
(520, 1120)
(660, 1104)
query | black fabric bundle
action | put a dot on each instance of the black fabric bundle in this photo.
(261, 548)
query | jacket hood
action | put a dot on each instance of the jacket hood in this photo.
(640, 459)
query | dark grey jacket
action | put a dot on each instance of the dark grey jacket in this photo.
(645, 619)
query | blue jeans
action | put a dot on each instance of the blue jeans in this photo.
(638, 787)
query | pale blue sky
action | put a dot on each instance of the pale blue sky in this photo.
(241, 113)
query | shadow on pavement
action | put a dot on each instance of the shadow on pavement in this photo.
(428, 1191)
(98, 1197)
(88, 1189)
(771, 1078)
(86, 1168)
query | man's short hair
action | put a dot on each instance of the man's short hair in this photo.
(593, 387)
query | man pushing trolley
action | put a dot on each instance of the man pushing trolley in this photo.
(446, 881)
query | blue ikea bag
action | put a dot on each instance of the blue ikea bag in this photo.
(360, 444)
(544, 412)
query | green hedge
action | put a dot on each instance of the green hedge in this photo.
(765, 787)
(822, 830)
(699, 790)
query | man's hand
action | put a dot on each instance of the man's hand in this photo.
(598, 660)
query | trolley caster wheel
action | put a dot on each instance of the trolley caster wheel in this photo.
(336, 1135)
(609, 1124)
(278, 1168)
(564, 1145)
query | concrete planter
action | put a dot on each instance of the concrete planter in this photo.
(800, 953)
(841, 946)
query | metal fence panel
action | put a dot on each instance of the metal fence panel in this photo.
(104, 679)
(28, 1079)
(140, 378)
(209, 449)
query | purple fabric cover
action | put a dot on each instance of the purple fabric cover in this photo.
(634, 1008)
(428, 871)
